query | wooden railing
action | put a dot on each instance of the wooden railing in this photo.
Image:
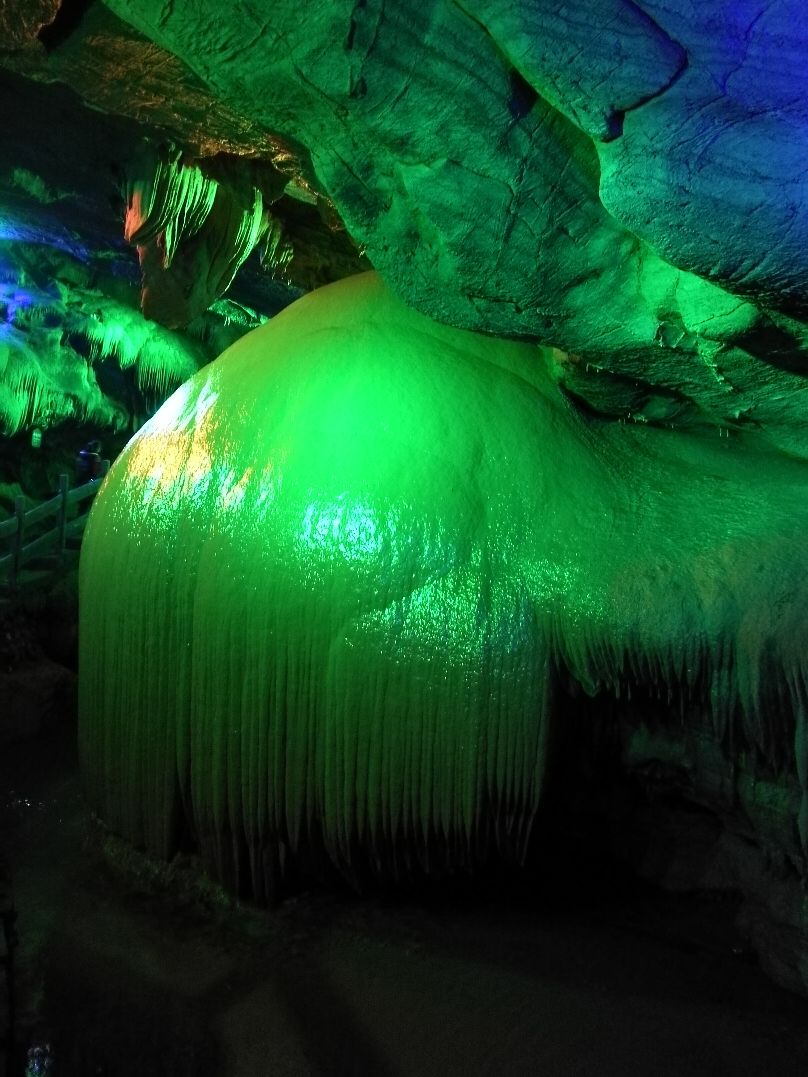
(52, 542)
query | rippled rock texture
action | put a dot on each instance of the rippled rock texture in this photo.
(360, 553)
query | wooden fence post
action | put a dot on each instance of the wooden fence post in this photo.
(19, 539)
(62, 518)
(58, 506)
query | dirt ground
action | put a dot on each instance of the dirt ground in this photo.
(529, 977)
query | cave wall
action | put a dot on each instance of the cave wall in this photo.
(522, 174)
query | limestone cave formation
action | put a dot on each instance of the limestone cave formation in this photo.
(452, 360)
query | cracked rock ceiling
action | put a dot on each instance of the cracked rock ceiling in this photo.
(624, 182)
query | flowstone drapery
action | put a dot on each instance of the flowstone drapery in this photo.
(327, 589)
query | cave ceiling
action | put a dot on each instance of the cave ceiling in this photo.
(622, 181)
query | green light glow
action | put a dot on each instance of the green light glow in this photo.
(348, 556)
(349, 531)
(52, 338)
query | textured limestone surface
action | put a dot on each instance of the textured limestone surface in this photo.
(357, 552)
(631, 195)
(620, 181)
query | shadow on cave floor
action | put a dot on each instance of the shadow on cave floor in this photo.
(597, 978)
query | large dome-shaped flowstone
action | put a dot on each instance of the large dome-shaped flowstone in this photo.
(325, 589)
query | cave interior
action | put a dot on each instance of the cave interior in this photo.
(451, 363)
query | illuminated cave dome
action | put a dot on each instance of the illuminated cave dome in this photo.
(326, 588)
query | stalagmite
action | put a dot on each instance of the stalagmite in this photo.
(326, 590)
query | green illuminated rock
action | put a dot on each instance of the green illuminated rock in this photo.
(326, 590)
(621, 180)
(64, 344)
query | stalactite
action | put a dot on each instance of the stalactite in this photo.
(52, 342)
(43, 383)
(192, 231)
(242, 224)
(169, 205)
(277, 252)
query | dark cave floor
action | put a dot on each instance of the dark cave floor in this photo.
(596, 980)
